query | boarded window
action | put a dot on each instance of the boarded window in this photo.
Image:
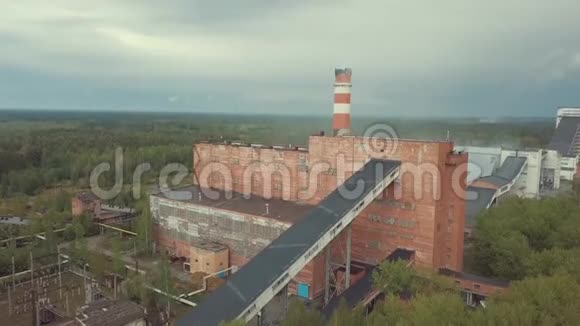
(373, 244)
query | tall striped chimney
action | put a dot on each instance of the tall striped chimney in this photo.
(341, 116)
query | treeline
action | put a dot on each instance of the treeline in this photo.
(33, 160)
(43, 149)
(526, 237)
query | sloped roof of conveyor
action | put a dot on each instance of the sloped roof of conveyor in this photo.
(479, 198)
(231, 299)
(564, 136)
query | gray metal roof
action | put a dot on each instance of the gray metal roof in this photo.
(510, 167)
(231, 299)
(474, 278)
(478, 199)
(15, 220)
(495, 180)
(563, 138)
(507, 172)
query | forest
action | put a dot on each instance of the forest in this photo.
(45, 149)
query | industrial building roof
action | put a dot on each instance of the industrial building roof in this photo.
(111, 313)
(209, 246)
(478, 200)
(231, 299)
(510, 168)
(473, 277)
(354, 294)
(282, 210)
(15, 220)
(564, 139)
(506, 173)
(87, 196)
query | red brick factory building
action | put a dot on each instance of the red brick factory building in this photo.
(246, 195)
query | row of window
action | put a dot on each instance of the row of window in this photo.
(389, 220)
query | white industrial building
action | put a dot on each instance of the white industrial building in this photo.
(541, 171)
(496, 172)
(566, 140)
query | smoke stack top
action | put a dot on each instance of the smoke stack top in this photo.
(341, 116)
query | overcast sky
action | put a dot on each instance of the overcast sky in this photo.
(409, 58)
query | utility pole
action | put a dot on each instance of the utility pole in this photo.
(66, 301)
(9, 302)
(348, 245)
(31, 271)
(85, 275)
(146, 233)
(35, 316)
(13, 274)
(327, 271)
(59, 273)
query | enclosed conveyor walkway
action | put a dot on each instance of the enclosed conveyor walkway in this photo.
(256, 283)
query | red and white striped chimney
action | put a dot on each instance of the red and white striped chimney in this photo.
(341, 116)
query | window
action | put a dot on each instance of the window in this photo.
(476, 286)
(374, 218)
(373, 244)
(409, 224)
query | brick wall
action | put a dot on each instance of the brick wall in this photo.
(248, 169)
(422, 211)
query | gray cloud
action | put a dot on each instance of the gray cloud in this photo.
(409, 57)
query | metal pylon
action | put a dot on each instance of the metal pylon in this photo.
(342, 259)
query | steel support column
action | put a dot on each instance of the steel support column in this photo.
(348, 242)
(327, 271)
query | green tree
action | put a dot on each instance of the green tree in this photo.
(118, 264)
(299, 315)
(347, 316)
(80, 247)
(507, 235)
(143, 226)
(438, 309)
(99, 265)
(554, 261)
(62, 201)
(136, 289)
(50, 236)
(551, 300)
(392, 311)
(395, 277)
(162, 279)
